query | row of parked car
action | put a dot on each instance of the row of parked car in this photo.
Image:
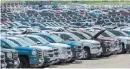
(41, 48)
(25, 43)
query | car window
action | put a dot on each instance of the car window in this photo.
(105, 34)
(117, 33)
(48, 38)
(4, 45)
(35, 40)
(15, 42)
(66, 37)
(127, 32)
(79, 35)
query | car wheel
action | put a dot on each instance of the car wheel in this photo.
(86, 54)
(71, 61)
(24, 63)
(123, 49)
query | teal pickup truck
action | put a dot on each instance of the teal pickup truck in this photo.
(29, 57)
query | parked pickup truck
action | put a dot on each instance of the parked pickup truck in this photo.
(51, 55)
(11, 57)
(91, 48)
(48, 51)
(3, 62)
(29, 57)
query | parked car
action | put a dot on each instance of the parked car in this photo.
(90, 48)
(125, 40)
(51, 55)
(11, 57)
(29, 57)
(2, 59)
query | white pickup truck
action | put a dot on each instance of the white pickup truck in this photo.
(92, 48)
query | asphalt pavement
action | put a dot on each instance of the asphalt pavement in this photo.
(114, 61)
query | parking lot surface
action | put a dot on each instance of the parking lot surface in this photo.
(114, 61)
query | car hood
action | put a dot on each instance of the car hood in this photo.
(42, 47)
(25, 48)
(8, 50)
(59, 45)
(73, 43)
(122, 37)
(106, 38)
(90, 41)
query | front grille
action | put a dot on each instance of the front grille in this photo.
(15, 55)
(50, 51)
(79, 47)
(56, 52)
(40, 54)
(69, 52)
(68, 48)
(55, 49)
(50, 55)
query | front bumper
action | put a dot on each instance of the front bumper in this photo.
(34, 62)
(76, 55)
(115, 50)
(13, 63)
(96, 51)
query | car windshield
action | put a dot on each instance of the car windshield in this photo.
(29, 41)
(48, 38)
(13, 44)
(105, 34)
(117, 33)
(20, 42)
(79, 35)
(35, 40)
(57, 39)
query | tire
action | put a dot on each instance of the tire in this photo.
(71, 61)
(24, 63)
(123, 49)
(87, 54)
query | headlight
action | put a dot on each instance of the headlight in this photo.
(9, 55)
(34, 53)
